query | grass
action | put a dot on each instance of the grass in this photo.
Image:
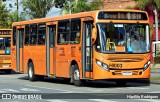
(155, 78)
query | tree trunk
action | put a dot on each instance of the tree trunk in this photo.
(156, 24)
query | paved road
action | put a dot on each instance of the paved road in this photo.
(18, 83)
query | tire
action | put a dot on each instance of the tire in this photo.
(31, 74)
(76, 76)
(121, 83)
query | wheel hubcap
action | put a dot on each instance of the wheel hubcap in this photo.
(30, 72)
(76, 75)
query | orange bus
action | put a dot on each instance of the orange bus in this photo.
(5, 55)
(96, 45)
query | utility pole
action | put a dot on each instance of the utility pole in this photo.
(17, 11)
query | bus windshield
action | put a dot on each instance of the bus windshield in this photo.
(124, 38)
(5, 45)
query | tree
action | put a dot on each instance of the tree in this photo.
(153, 5)
(79, 5)
(13, 17)
(4, 15)
(37, 8)
(60, 3)
(97, 4)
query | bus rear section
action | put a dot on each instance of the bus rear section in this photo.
(5, 44)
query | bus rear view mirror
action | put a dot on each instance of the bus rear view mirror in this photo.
(94, 35)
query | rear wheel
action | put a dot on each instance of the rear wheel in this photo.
(76, 76)
(31, 74)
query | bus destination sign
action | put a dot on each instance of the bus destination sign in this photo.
(122, 15)
(5, 32)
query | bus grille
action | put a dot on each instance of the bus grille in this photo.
(120, 73)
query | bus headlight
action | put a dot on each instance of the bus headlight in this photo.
(146, 65)
(103, 65)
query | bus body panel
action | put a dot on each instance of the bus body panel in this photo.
(37, 55)
(62, 60)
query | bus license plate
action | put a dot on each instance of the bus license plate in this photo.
(127, 73)
(5, 66)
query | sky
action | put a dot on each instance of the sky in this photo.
(53, 12)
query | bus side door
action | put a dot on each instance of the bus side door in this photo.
(50, 57)
(19, 49)
(87, 48)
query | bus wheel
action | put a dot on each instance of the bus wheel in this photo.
(76, 76)
(31, 75)
(121, 82)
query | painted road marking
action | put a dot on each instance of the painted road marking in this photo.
(137, 88)
(51, 89)
(101, 100)
(148, 100)
(28, 89)
(8, 90)
(154, 92)
(56, 101)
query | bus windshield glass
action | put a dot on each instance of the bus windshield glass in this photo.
(123, 38)
(5, 45)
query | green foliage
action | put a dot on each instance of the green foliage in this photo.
(82, 5)
(151, 4)
(13, 17)
(60, 3)
(7, 17)
(96, 4)
(129, 7)
(4, 16)
(151, 26)
(36, 8)
(156, 60)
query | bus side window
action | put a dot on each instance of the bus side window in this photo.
(33, 36)
(63, 32)
(27, 33)
(41, 34)
(75, 31)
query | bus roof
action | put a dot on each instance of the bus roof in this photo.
(70, 16)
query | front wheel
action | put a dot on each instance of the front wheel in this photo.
(76, 76)
(31, 74)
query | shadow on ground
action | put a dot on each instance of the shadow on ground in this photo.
(94, 84)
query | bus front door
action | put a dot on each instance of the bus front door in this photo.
(87, 50)
(19, 49)
(50, 58)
